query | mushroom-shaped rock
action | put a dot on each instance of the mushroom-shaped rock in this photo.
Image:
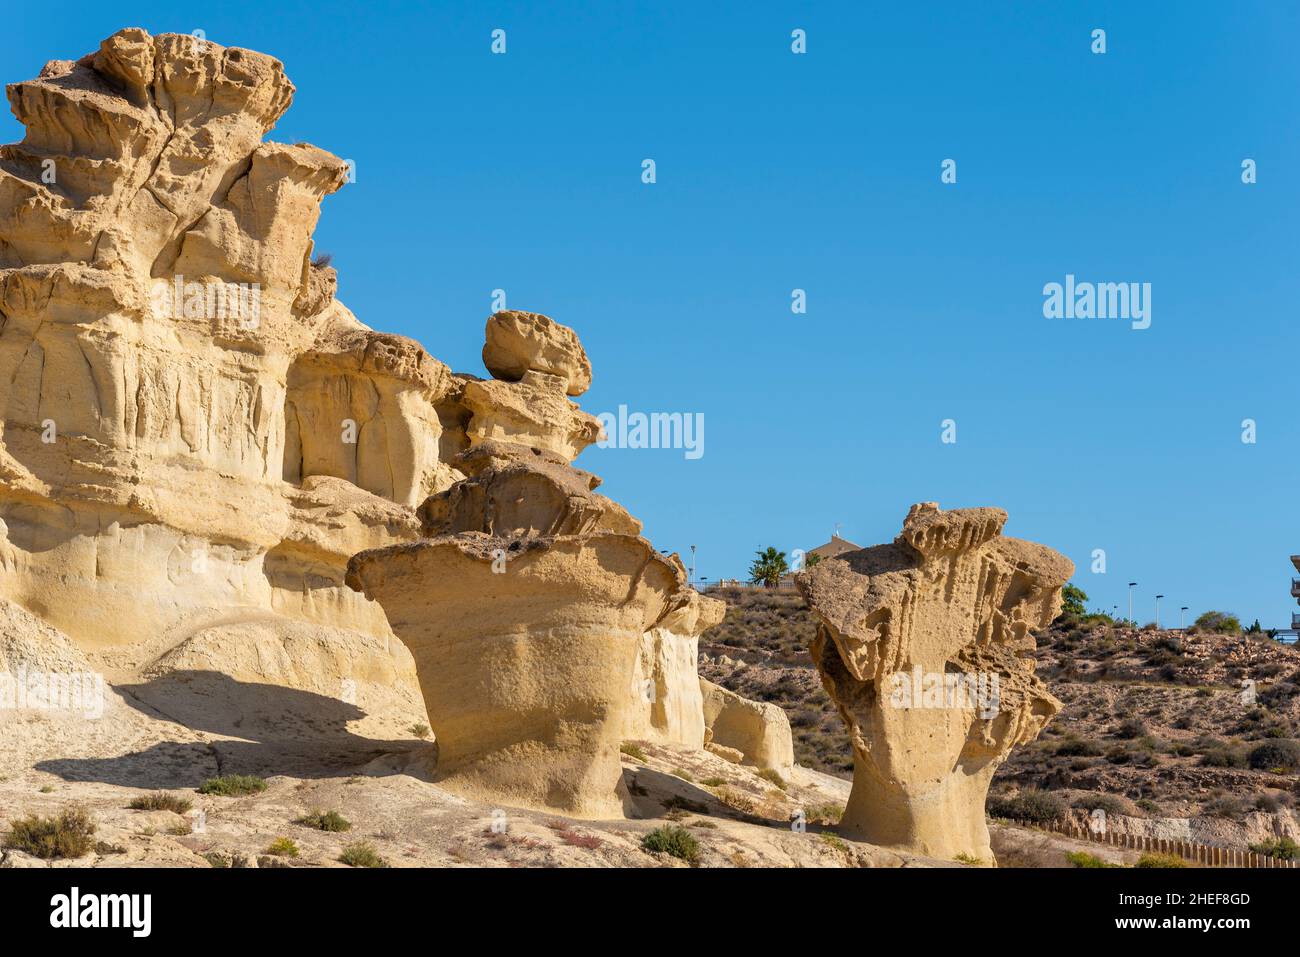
(921, 645)
(519, 342)
(525, 616)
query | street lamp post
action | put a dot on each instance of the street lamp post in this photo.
(1158, 597)
(1182, 618)
(1131, 586)
(692, 563)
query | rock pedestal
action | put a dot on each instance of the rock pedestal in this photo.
(922, 645)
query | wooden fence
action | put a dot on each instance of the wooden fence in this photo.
(1206, 855)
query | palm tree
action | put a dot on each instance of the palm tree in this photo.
(768, 568)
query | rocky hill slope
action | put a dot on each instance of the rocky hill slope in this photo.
(1173, 734)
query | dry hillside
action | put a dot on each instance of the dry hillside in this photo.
(1157, 728)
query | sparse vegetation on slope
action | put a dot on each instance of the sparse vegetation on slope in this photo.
(66, 835)
(233, 785)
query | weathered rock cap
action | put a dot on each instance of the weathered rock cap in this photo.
(515, 491)
(519, 342)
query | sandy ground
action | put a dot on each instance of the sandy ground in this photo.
(316, 752)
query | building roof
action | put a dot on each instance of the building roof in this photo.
(836, 546)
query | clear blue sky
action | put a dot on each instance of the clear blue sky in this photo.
(822, 172)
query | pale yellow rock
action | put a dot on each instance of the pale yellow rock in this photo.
(668, 705)
(734, 755)
(194, 429)
(526, 674)
(758, 730)
(533, 411)
(196, 437)
(519, 342)
(950, 600)
(525, 613)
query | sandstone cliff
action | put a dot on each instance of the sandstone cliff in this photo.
(196, 437)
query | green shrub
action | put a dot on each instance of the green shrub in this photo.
(282, 847)
(161, 801)
(362, 854)
(1131, 728)
(770, 775)
(824, 813)
(834, 842)
(674, 841)
(1224, 805)
(1280, 753)
(1086, 860)
(1077, 748)
(1223, 756)
(419, 730)
(1160, 860)
(68, 835)
(1218, 623)
(1036, 807)
(633, 751)
(1107, 802)
(233, 785)
(325, 821)
(1282, 848)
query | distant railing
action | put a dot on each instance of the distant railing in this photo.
(732, 583)
(1206, 855)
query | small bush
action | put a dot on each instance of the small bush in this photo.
(1280, 753)
(825, 813)
(772, 777)
(633, 751)
(1131, 728)
(1223, 756)
(834, 842)
(674, 841)
(282, 847)
(1037, 807)
(1086, 860)
(233, 785)
(1107, 802)
(1229, 806)
(1218, 623)
(1077, 748)
(68, 835)
(161, 801)
(362, 854)
(683, 774)
(325, 821)
(1282, 848)
(714, 782)
(419, 730)
(1160, 860)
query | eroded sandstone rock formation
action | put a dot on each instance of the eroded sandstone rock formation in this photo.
(197, 436)
(192, 423)
(527, 608)
(756, 732)
(921, 644)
